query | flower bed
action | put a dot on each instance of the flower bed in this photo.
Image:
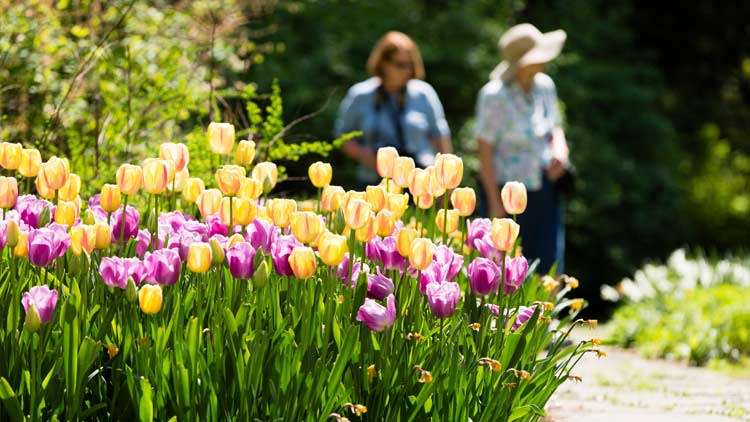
(351, 306)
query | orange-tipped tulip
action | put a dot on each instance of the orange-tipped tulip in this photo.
(109, 198)
(449, 169)
(367, 232)
(22, 247)
(31, 161)
(404, 238)
(464, 200)
(70, 190)
(103, 235)
(82, 238)
(42, 189)
(228, 178)
(504, 233)
(221, 137)
(386, 157)
(209, 202)
(420, 253)
(155, 176)
(514, 197)
(397, 204)
(8, 192)
(129, 178)
(10, 155)
(150, 298)
(352, 194)
(434, 187)
(419, 180)
(320, 174)
(306, 226)
(425, 201)
(356, 213)
(385, 223)
(302, 261)
(66, 213)
(193, 188)
(267, 174)
(402, 168)
(331, 248)
(375, 195)
(332, 198)
(245, 152)
(176, 153)
(280, 211)
(199, 257)
(54, 173)
(250, 189)
(447, 226)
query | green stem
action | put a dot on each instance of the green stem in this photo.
(122, 223)
(445, 216)
(231, 218)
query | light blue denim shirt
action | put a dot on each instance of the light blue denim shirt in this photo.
(519, 127)
(422, 119)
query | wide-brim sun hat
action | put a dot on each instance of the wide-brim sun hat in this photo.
(524, 44)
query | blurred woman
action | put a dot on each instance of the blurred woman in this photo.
(520, 138)
(395, 107)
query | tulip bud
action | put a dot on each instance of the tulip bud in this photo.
(514, 197)
(339, 221)
(449, 169)
(320, 174)
(66, 213)
(209, 202)
(420, 253)
(22, 247)
(193, 188)
(10, 155)
(82, 238)
(217, 252)
(267, 174)
(31, 161)
(262, 274)
(302, 262)
(375, 195)
(33, 320)
(449, 226)
(367, 232)
(419, 180)
(245, 152)
(331, 248)
(109, 198)
(150, 298)
(131, 291)
(155, 176)
(281, 211)
(69, 191)
(404, 239)
(357, 213)
(8, 192)
(199, 257)
(464, 200)
(425, 201)
(504, 233)
(178, 154)
(129, 178)
(103, 235)
(11, 233)
(331, 198)
(385, 223)
(402, 168)
(221, 137)
(397, 204)
(386, 158)
(250, 189)
(306, 226)
(152, 222)
(434, 187)
(45, 216)
(228, 178)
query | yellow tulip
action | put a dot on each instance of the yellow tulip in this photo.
(31, 161)
(69, 191)
(402, 168)
(397, 204)
(155, 176)
(504, 233)
(180, 180)
(245, 152)
(320, 174)
(193, 188)
(267, 174)
(514, 197)
(54, 173)
(385, 159)
(306, 226)
(356, 213)
(10, 155)
(176, 153)
(331, 248)
(367, 232)
(250, 189)
(434, 187)
(103, 235)
(263, 214)
(385, 223)
(420, 253)
(8, 192)
(302, 261)
(404, 238)
(82, 238)
(129, 178)
(331, 198)
(11, 232)
(209, 202)
(375, 195)
(150, 298)
(389, 186)
(419, 180)
(228, 178)
(243, 212)
(22, 247)
(449, 169)
(199, 257)
(425, 201)
(280, 211)
(306, 205)
(351, 194)
(464, 200)
(221, 137)
(65, 213)
(234, 240)
(447, 226)
(42, 189)
(109, 197)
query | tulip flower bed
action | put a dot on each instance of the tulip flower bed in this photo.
(162, 299)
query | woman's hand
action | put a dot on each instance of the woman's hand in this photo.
(497, 211)
(360, 153)
(556, 169)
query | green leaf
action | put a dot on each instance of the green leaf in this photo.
(145, 404)
(10, 401)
